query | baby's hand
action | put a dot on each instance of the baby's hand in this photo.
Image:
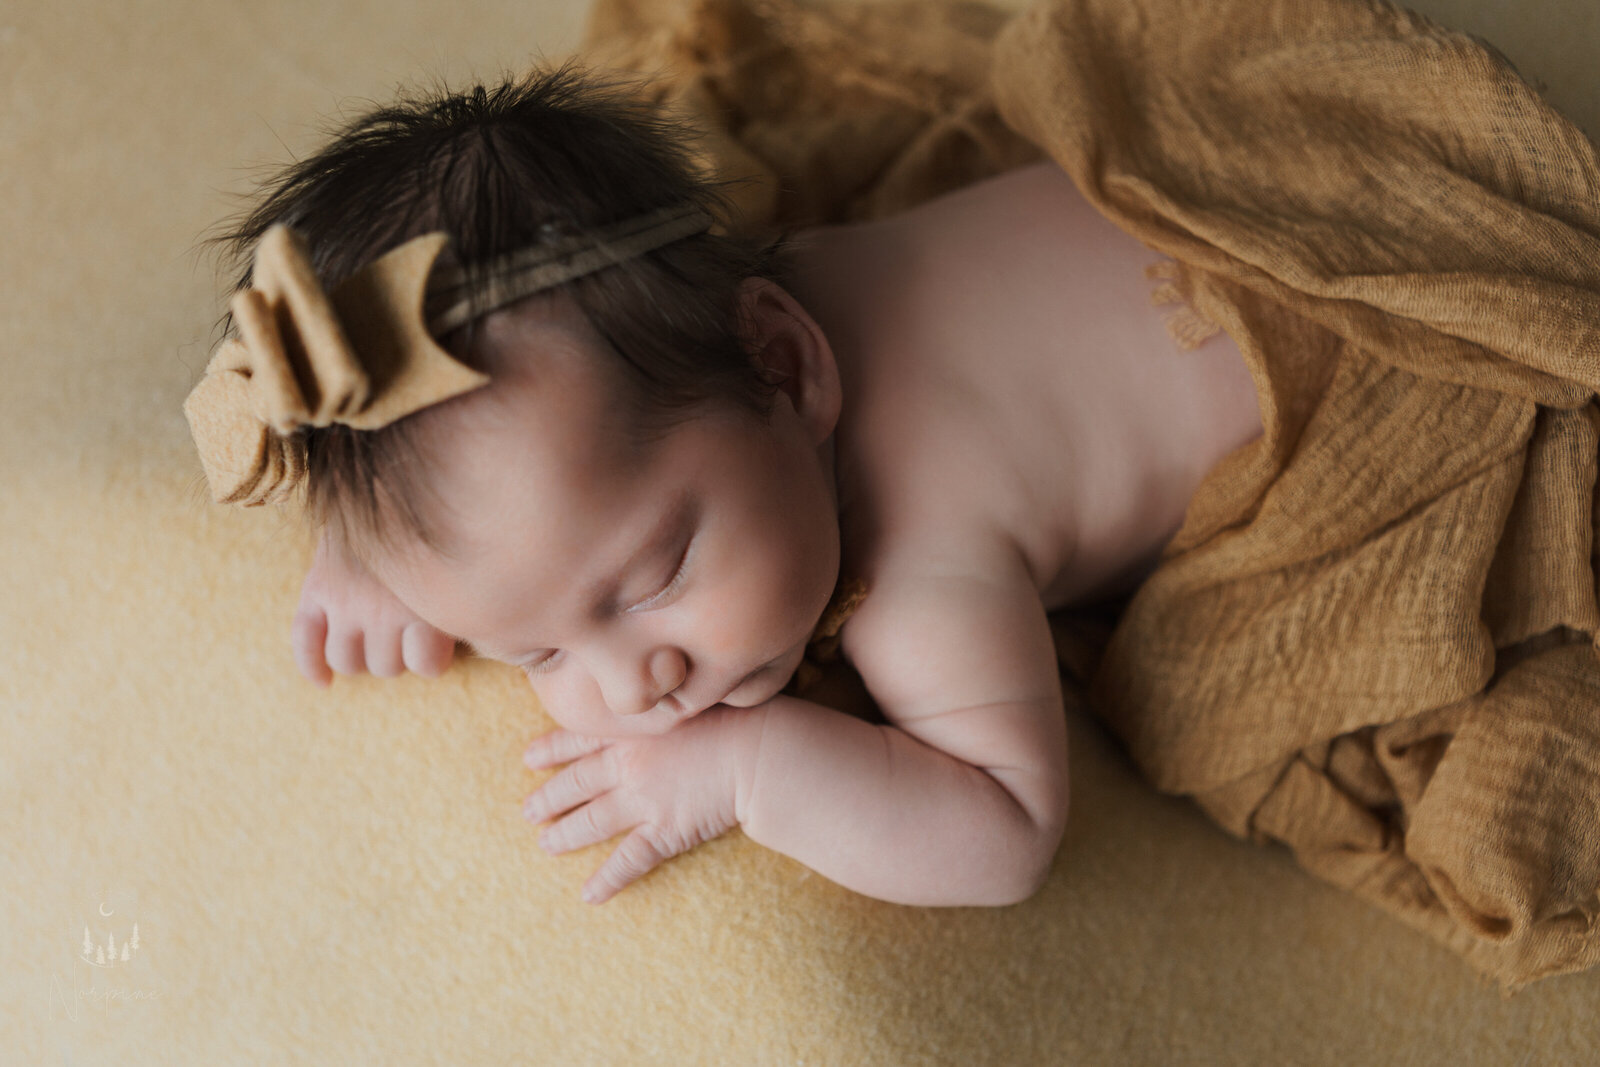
(674, 791)
(349, 622)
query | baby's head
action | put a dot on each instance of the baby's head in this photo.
(639, 508)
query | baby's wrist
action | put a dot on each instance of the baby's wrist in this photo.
(749, 728)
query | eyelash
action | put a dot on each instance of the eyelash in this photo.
(673, 583)
(545, 665)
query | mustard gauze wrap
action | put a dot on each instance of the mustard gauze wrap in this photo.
(1373, 637)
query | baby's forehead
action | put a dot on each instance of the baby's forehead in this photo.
(550, 320)
(524, 454)
(515, 442)
(550, 377)
(561, 423)
(511, 519)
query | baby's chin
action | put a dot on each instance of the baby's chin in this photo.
(757, 690)
(766, 683)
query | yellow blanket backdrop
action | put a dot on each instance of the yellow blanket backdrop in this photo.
(341, 876)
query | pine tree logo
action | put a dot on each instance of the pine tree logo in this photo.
(110, 953)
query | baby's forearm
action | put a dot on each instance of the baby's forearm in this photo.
(879, 812)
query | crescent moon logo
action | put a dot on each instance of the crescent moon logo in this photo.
(104, 914)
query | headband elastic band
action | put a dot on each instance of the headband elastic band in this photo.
(463, 294)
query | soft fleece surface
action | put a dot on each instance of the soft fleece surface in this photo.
(342, 876)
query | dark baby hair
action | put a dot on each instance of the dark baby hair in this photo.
(549, 155)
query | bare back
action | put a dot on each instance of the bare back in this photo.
(1005, 376)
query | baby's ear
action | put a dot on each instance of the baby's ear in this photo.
(787, 341)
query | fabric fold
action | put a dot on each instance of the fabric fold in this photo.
(1373, 638)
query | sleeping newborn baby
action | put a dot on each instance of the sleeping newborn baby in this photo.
(971, 407)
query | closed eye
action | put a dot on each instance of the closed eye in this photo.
(666, 593)
(673, 584)
(542, 665)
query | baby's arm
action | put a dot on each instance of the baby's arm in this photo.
(962, 798)
(349, 622)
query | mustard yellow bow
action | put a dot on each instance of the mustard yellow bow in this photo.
(294, 364)
(295, 361)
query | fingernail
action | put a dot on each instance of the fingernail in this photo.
(590, 895)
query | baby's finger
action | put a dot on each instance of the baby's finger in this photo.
(427, 651)
(382, 647)
(581, 782)
(560, 746)
(589, 825)
(345, 651)
(307, 634)
(634, 858)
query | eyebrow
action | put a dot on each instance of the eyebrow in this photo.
(601, 595)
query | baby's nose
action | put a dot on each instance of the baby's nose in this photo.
(657, 674)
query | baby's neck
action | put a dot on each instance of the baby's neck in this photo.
(836, 273)
(843, 276)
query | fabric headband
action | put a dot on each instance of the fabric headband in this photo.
(364, 355)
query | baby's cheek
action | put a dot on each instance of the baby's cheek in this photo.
(749, 615)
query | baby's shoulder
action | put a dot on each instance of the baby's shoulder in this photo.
(951, 619)
(926, 486)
